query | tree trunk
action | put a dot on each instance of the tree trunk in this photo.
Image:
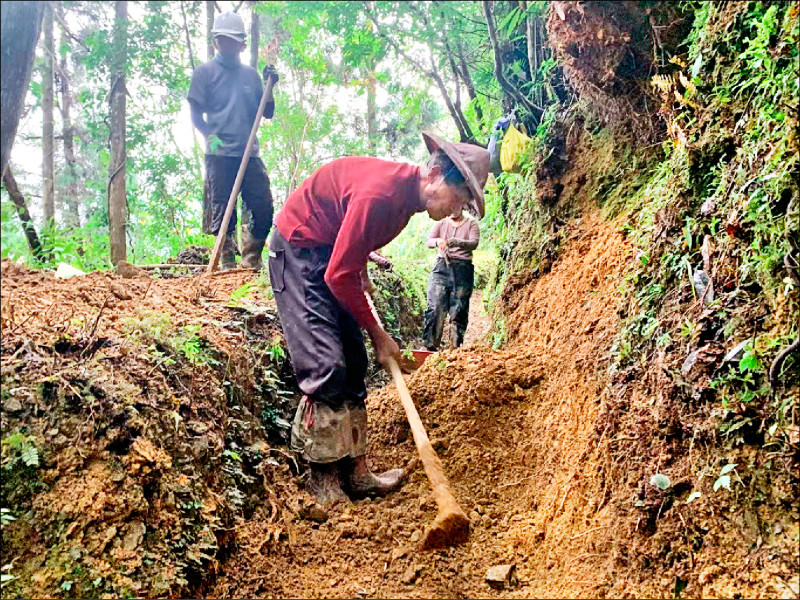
(433, 73)
(188, 37)
(458, 113)
(254, 37)
(209, 27)
(457, 103)
(470, 85)
(70, 191)
(48, 145)
(372, 124)
(510, 91)
(24, 216)
(20, 24)
(117, 197)
(462, 132)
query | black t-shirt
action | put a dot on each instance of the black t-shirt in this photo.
(229, 97)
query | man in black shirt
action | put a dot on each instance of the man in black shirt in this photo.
(228, 94)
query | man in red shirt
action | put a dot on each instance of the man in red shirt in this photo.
(324, 234)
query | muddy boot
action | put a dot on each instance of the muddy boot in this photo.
(324, 484)
(362, 482)
(251, 252)
(227, 259)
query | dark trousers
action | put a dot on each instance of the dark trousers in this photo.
(449, 291)
(220, 176)
(325, 343)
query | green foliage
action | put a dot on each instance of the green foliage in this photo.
(166, 343)
(240, 295)
(735, 163)
(19, 448)
(6, 516)
(276, 350)
(724, 479)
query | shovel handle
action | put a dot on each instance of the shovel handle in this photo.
(430, 461)
(445, 501)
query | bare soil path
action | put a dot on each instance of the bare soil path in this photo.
(479, 321)
(515, 431)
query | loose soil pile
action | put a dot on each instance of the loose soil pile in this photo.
(150, 407)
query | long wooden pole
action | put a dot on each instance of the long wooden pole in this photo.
(223, 230)
(451, 525)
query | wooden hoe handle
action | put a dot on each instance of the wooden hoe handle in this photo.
(223, 229)
(451, 525)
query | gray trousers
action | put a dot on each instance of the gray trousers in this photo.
(327, 351)
(449, 291)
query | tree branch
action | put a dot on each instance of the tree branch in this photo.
(507, 87)
(433, 73)
(60, 18)
(188, 37)
(24, 216)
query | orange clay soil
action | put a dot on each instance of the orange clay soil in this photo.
(515, 430)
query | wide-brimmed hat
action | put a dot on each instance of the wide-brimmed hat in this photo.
(471, 161)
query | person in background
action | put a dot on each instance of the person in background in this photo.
(228, 93)
(451, 281)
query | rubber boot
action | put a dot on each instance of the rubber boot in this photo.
(360, 481)
(324, 484)
(251, 252)
(227, 259)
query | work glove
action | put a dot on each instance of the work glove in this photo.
(270, 71)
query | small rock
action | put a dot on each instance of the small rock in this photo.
(709, 574)
(348, 530)
(439, 445)
(135, 535)
(410, 576)
(128, 271)
(314, 512)
(118, 476)
(474, 517)
(502, 576)
(12, 405)
(415, 536)
(398, 552)
(119, 291)
(701, 282)
(486, 520)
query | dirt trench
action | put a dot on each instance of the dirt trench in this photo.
(516, 432)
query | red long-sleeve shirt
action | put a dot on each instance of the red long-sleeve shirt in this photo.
(357, 205)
